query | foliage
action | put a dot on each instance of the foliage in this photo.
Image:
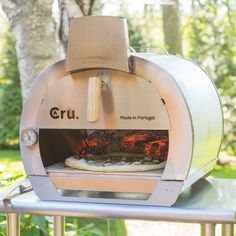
(10, 92)
(212, 36)
(95, 227)
(11, 167)
(35, 225)
(225, 172)
(3, 222)
(38, 225)
(143, 31)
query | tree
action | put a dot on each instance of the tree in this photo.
(212, 36)
(71, 9)
(35, 31)
(68, 9)
(10, 95)
(41, 34)
(171, 27)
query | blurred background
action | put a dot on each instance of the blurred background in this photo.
(34, 34)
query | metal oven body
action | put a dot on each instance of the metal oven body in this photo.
(102, 87)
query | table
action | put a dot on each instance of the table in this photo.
(208, 202)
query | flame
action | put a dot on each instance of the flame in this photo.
(159, 147)
(92, 142)
(129, 141)
(141, 142)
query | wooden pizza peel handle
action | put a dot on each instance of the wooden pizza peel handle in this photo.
(94, 99)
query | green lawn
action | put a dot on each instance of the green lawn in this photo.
(11, 167)
(227, 172)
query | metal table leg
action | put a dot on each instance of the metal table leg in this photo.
(13, 228)
(59, 225)
(207, 229)
(227, 230)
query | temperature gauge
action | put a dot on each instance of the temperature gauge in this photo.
(29, 137)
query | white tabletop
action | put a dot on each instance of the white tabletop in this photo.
(207, 201)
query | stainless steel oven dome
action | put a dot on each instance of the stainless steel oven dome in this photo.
(101, 86)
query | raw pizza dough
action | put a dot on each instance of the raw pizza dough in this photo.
(115, 162)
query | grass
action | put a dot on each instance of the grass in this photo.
(227, 172)
(8, 156)
(11, 167)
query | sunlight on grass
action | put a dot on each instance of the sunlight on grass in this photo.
(228, 172)
(11, 167)
(9, 156)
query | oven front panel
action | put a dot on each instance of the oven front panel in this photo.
(125, 101)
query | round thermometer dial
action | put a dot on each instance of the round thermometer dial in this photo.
(29, 137)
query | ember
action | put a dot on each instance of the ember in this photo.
(101, 142)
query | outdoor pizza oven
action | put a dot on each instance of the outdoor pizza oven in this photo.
(155, 119)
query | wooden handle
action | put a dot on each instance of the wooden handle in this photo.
(94, 98)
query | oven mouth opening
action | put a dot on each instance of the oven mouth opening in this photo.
(101, 150)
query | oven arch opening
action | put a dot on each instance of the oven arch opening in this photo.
(110, 146)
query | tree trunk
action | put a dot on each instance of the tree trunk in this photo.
(171, 27)
(68, 9)
(39, 40)
(72, 9)
(36, 37)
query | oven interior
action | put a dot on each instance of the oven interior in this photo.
(58, 144)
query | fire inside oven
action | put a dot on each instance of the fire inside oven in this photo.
(119, 146)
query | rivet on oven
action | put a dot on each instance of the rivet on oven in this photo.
(163, 101)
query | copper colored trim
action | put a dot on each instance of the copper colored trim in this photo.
(113, 185)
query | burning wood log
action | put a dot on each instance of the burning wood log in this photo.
(152, 143)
